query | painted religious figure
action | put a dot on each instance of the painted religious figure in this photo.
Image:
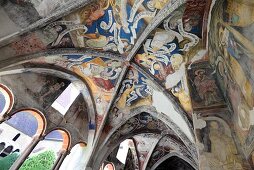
(231, 44)
(204, 90)
(217, 148)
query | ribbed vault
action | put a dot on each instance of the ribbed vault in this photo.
(132, 63)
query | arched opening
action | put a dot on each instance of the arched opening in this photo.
(48, 151)
(6, 99)
(17, 134)
(175, 163)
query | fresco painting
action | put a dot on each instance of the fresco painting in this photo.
(134, 88)
(144, 143)
(173, 45)
(137, 124)
(134, 155)
(39, 92)
(216, 145)
(26, 12)
(108, 25)
(252, 159)
(51, 88)
(135, 91)
(233, 24)
(100, 74)
(167, 144)
(205, 92)
(29, 44)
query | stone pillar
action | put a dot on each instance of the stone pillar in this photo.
(60, 159)
(4, 118)
(17, 164)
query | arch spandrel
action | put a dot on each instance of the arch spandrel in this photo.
(99, 73)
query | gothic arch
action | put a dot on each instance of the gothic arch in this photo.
(171, 155)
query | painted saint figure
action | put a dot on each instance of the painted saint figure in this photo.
(206, 87)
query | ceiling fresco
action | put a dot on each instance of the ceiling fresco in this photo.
(137, 91)
(107, 25)
(176, 77)
(176, 43)
(20, 14)
(144, 143)
(99, 73)
(166, 145)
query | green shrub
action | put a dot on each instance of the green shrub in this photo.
(42, 161)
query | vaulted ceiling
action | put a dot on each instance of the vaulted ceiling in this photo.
(130, 59)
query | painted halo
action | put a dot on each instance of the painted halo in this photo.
(6, 99)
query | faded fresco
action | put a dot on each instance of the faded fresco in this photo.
(217, 148)
(251, 159)
(205, 92)
(26, 12)
(174, 44)
(231, 34)
(145, 143)
(167, 144)
(40, 91)
(138, 123)
(77, 115)
(100, 74)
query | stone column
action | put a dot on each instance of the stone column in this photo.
(17, 164)
(60, 159)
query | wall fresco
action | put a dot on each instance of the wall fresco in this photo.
(173, 45)
(100, 74)
(231, 34)
(108, 25)
(251, 159)
(28, 45)
(217, 148)
(205, 92)
(39, 92)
